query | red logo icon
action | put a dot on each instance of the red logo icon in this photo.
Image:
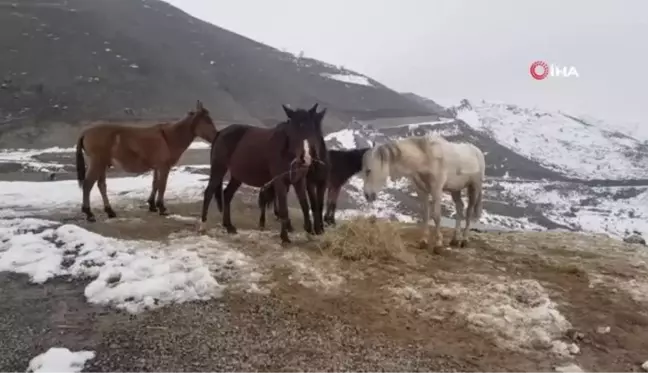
(539, 70)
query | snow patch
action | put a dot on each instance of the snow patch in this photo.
(346, 138)
(349, 78)
(58, 359)
(517, 314)
(130, 275)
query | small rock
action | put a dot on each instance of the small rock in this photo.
(644, 366)
(635, 238)
(574, 335)
(603, 329)
(573, 349)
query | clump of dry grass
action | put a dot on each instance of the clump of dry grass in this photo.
(366, 238)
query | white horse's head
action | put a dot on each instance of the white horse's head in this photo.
(375, 170)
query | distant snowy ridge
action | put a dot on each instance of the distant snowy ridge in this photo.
(580, 148)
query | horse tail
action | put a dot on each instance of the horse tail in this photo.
(266, 197)
(80, 162)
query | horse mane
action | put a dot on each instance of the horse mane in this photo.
(387, 153)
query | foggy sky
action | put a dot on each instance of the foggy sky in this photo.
(465, 48)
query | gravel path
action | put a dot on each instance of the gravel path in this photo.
(240, 332)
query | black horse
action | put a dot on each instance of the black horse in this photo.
(343, 165)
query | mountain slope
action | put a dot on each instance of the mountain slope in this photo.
(575, 147)
(73, 60)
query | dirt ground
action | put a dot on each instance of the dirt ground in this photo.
(508, 302)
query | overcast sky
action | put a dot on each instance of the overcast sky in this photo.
(453, 49)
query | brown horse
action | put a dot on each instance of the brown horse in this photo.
(343, 165)
(137, 150)
(259, 157)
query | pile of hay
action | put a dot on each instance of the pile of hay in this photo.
(366, 238)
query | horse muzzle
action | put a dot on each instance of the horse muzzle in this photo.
(371, 197)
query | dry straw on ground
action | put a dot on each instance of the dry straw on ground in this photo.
(366, 238)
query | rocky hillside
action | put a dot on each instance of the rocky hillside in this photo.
(67, 61)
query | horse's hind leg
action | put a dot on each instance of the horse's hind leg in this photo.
(329, 216)
(472, 200)
(92, 175)
(101, 184)
(459, 214)
(261, 202)
(214, 185)
(154, 189)
(163, 177)
(228, 194)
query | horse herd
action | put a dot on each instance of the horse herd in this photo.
(293, 153)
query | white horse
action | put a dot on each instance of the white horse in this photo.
(435, 165)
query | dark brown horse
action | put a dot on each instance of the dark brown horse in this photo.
(259, 157)
(343, 165)
(137, 150)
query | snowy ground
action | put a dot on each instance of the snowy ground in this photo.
(136, 275)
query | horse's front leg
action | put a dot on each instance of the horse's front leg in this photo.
(321, 192)
(300, 190)
(163, 176)
(281, 192)
(151, 199)
(228, 194)
(459, 214)
(425, 219)
(437, 190)
(276, 211)
(311, 189)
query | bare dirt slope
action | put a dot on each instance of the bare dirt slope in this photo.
(510, 301)
(66, 61)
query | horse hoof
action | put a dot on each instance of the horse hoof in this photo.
(231, 229)
(91, 219)
(454, 242)
(152, 209)
(285, 241)
(202, 227)
(464, 243)
(423, 245)
(111, 214)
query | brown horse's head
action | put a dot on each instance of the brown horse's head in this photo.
(301, 130)
(202, 124)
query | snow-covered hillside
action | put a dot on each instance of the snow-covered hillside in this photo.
(586, 157)
(582, 148)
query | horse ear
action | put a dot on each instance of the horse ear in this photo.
(321, 114)
(289, 112)
(199, 105)
(313, 110)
